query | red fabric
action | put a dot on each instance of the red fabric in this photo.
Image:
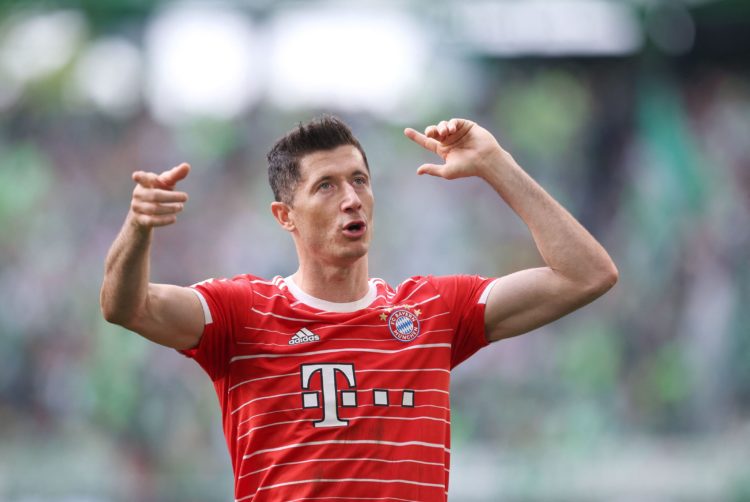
(281, 450)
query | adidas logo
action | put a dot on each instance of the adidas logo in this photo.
(303, 336)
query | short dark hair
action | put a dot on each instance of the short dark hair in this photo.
(321, 133)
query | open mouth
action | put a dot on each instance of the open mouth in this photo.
(355, 228)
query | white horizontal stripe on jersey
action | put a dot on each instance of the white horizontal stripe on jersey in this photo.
(369, 307)
(264, 343)
(264, 397)
(408, 419)
(415, 406)
(281, 316)
(268, 283)
(261, 378)
(351, 349)
(436, 331)
(410, 279)
(405, 370)
(349, 441)
(351, 480)
(413, 291)
(269, 330)
(390, 340)
(350, 326)
(396, 390)
(356, 390)
(426, 406)
(434, 316)
(426, 301)
(354, 498)
(274, 424)
(268, 297)
(382, 417)
(274, 411)
(358, 371)
(348, 459)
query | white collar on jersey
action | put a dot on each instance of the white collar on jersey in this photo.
(327, 306)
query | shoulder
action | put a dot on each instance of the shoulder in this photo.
(242, 280)
(237, 286)
(429, 281)
(451, 286)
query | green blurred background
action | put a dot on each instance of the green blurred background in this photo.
(635, 115)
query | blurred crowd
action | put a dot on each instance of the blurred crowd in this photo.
(643, 395)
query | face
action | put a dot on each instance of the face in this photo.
(331, 216)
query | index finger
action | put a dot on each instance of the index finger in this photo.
(422, 140)
(171, 177)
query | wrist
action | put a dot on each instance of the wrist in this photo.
(495, 162)
(139, 229)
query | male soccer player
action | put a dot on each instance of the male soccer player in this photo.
(334, 386)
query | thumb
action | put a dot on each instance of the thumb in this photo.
(431, 169)
(146, 180)
(171, 177)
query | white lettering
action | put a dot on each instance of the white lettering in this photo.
(328, 389)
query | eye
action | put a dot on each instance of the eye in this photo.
(360, 180)
(326, 185)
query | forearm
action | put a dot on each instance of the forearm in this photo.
(565, 245)
(124, 290)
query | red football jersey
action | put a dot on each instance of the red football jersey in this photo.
(338, 401)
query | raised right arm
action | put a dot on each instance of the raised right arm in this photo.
(166, 314)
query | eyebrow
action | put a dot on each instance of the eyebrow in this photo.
(328, 177)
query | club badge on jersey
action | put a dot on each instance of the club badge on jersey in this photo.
(404, 325)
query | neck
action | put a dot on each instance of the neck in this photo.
(333, 283)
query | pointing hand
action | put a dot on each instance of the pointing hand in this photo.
(467, 148)
(155, 203)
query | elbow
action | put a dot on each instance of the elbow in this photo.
(112, 316)
(105, 307)
(127, 321)
(603, 280)
(112, 313)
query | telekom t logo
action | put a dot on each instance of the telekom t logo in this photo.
(331, 400)
(329, 390)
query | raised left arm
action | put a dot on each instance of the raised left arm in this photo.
(578, 269)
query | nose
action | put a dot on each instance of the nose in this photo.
(351, 200)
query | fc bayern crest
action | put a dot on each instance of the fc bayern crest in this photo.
(404, 325)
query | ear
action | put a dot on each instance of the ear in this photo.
(281, 212)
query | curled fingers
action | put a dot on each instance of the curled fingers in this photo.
(158, 195)
(155, 221)
(156, 209)
(150, 214)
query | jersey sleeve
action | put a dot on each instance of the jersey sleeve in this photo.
(224, 303)
(466, 298)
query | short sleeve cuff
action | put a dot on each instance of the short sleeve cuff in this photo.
(207, 319)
